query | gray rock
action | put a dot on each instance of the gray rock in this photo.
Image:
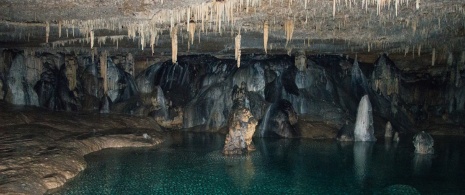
(423, 143)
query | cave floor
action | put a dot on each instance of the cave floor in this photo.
(40, 150)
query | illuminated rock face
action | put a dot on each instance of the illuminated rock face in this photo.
(423, 143)
(241, 129)
(21, 79)
(364, 130)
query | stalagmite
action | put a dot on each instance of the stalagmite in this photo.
(265, 36)
(174, 45)
(237, 49)
(388, 131)
(364, 130)
(47, 31)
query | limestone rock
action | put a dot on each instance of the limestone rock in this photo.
(364, 130)
(241, 129)
(423, 143)
(279, 121)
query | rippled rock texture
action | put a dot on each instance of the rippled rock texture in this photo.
(40, 150)
(314, 100)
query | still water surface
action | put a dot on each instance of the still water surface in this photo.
(192, 164)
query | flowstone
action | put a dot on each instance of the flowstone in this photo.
(423, 143)
(364, 130)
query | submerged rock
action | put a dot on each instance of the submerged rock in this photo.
(423, 143)
(241, 129)
(364, 130)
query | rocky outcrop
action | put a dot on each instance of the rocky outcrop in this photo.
(241, 129)
(42, 150)
(423, 143)
(241, 125)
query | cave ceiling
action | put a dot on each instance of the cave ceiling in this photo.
(402, 27)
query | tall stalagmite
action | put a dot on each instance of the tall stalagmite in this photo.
(364, 130)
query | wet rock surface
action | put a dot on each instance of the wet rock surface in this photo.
(40, 150)
(195, 93)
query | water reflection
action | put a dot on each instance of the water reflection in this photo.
(241, 170)
(422, 164)
(362, 155)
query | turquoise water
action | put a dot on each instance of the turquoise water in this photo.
(192, 164)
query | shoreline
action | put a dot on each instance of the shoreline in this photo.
(41, 150)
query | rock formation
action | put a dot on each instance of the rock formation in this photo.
(423, 143)
(364, 130)
(388, 131)
(279, 121)
(241, 129)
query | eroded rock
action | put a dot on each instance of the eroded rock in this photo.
(241, 129)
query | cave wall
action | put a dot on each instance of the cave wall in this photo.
(196, 91)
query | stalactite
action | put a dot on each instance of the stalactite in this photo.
(192, 26)
(289, 30)
(91, 39)
(334, 8)
(153, 35)
(174, 45)
(59, 29)
(237, 49)
(265, 36)
(47, 31)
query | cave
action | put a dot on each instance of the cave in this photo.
(232, 96)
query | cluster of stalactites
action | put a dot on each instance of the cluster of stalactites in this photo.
(215, 16)
(384, 78)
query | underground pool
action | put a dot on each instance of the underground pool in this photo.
(192, 163)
